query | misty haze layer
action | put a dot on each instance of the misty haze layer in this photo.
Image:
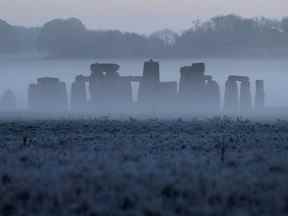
(221, 36)
(17, 74)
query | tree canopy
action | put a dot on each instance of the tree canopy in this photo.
(220, 36)
(8, 38)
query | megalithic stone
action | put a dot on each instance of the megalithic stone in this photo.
(151, 71)
(8, 101)
(192, 87)
(212, 96)
(33, 97)
(245, 96)
(121, 97)
(192, 78)
(63, 97)
(259, 95)
(79, 94)
(166, 97)
(106, 87)
(149, 83)
(231, 97)
(199, 67)
(48, 95)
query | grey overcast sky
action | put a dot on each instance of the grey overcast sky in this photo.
(142, 16)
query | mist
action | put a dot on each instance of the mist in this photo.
(67, 71)
(143, 107)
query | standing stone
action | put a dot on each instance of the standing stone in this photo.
(212, 96)
(166, 101)
(259, 95)
(231, 97)
(245, 96)
(79, 94)
(48, 95)
(109, 92)
(192, 87)
(149, 84)
(8, 101)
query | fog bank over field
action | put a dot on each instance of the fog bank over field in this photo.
(17, 73)
(63, 49)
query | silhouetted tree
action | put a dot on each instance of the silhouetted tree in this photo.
(61, 37)
(9, 42)
(27, 38)
(221, 36)
(167, 36)
(284, 24)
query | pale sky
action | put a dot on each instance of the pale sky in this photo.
(142, 16)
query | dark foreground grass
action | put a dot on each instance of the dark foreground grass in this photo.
(143, 167)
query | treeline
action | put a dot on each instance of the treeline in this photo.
(15, 39)
(221, 36)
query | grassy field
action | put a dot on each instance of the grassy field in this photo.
(143, 167)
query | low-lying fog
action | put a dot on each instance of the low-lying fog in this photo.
(17, 73)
